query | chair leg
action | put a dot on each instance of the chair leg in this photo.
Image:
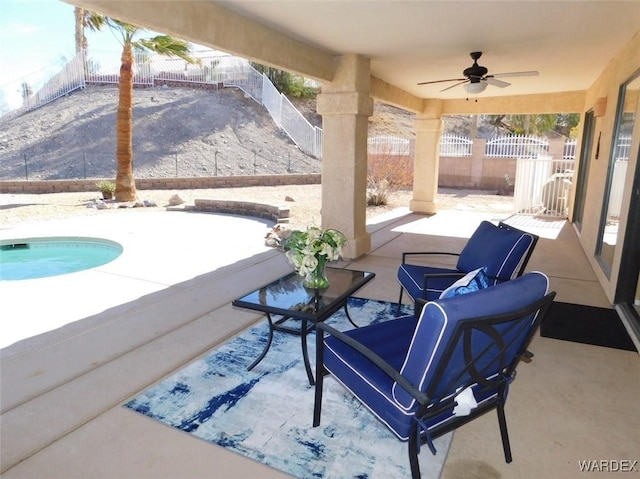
(399, 302)
(317, 406)
(413, 452)
(502, 421)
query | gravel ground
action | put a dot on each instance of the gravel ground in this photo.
(305, 208)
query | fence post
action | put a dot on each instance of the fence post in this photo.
(477, 161)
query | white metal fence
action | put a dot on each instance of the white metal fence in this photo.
(623, 147)
(391, 145)
(212, 69)
(542, 186)
(516, 146)
(71, 78)
(455, 145)
(569, 151)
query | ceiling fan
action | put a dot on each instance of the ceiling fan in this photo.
(476, 78)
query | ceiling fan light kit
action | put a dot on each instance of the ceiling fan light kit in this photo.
(476, 79)
(475, 88)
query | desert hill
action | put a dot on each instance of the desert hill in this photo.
(177, 132)
(194, 131)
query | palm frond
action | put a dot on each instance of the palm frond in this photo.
(169, 46)
(126, 30)
(94, 21)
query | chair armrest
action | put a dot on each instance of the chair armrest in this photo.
(415, 253)
(380, 363)
(453, 274)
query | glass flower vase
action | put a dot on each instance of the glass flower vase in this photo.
(316, 278)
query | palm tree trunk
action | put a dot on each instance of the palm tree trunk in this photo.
(125, 182)
(81, 39)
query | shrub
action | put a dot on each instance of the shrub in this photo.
(387, 172)
(377, 193)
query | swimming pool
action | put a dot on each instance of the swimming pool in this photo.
(42, 257)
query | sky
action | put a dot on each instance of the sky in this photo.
(37, 38)
(35, 35)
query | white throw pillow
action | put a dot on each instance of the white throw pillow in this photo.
(472, 281)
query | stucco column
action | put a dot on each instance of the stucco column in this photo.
(425, 165)
(345, 106)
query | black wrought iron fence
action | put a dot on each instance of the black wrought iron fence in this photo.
(87, 165)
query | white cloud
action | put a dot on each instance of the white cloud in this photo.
(15, 30)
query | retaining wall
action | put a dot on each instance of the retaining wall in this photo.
(194, 183)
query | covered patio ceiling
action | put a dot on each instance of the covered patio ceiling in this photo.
(568, 42)
(408, 42)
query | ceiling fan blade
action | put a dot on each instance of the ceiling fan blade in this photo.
(516, 74)
(495, 82)
(441, 81)
(453, 86)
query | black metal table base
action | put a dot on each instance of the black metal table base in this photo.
(305, 329)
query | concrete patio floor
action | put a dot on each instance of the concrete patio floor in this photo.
(167, 302)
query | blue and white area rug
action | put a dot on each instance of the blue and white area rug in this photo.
(266, 414)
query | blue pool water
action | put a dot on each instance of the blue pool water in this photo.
(42, 257)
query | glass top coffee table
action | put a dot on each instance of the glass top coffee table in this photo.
(288, 298)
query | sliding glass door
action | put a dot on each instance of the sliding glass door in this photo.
(628, 287)
(617, 172)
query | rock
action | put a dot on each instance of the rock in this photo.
(175, 200)
(277, 235)
(288, 198)
(101, 205)
(150, 204)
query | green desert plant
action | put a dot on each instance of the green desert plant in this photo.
(107, 188)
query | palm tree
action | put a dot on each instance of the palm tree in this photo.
(161, 44)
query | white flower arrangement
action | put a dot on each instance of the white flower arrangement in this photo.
(312, 248)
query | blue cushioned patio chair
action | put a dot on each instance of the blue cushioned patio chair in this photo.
(502, 249)
(410, 371)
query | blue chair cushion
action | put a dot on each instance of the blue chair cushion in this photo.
(391, 340)
(411, 277)
(501, 250)
(417, 347)
(473, 281)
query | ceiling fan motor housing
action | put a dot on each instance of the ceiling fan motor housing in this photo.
(475, 72)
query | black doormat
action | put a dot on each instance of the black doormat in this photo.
(587, 325)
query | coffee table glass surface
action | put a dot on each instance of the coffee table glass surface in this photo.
(288, 298)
